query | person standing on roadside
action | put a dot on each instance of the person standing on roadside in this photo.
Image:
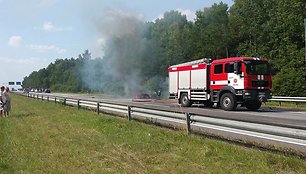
(2, 100)
(7, 106)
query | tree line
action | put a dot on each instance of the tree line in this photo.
(138, 58)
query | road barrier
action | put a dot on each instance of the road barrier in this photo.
(281, 99)
(292, 137)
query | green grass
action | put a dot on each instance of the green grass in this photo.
(286, 105)
(41, 137)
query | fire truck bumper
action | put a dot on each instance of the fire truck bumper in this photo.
(258, 95)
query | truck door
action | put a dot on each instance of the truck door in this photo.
(218, 78)
(235, 75)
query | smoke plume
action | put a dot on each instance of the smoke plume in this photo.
(127, 56)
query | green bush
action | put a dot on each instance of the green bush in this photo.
(290, 82)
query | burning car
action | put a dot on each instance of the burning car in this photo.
(142, 96)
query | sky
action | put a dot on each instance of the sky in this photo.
(34, 33)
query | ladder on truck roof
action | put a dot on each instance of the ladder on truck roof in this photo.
(194, 62)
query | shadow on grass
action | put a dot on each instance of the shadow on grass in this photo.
(30, 114)
(6, 167)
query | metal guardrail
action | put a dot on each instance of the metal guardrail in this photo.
(295, 100)
(296, 137)
(288, 99)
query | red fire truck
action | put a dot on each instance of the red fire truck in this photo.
(226, 82)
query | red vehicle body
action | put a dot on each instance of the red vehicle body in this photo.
(227, 82)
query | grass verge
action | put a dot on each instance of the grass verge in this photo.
(286, 105)
(41, 137)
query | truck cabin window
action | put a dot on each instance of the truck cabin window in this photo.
(233, 67)
(218, 69)
(257, 67)
(229, 68)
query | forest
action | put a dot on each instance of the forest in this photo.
(137, 53)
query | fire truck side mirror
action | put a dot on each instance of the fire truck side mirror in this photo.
(236, 68)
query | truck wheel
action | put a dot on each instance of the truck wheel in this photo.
(253, 106)
(228, 102)
(185, 102)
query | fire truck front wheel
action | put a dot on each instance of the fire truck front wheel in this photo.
(185, 102)
(253, 106)
(228, 102)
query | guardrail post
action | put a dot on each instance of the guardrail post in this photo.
(129, 113)
(65, 101)
(187, 122)
(54, 99)
(98, 107)
(37, 97)
(42, 97)
(48, 98)
(78, 104)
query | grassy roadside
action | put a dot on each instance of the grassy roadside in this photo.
(42, 137)
(286, 105)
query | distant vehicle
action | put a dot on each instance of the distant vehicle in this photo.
(26, 90)
(47, 91)
(226, 82)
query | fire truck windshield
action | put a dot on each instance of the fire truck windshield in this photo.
(257, 67)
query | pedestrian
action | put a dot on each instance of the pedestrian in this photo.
(7, 105)
(2, 100)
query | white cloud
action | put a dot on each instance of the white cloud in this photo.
(49, 27)
(45, 48)
(190, 15)
(101, 41)
(15, 41)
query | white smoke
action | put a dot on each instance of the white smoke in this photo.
(121, 58)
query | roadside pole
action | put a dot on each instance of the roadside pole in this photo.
(305, 38)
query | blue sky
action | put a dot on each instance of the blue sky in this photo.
(34, 33)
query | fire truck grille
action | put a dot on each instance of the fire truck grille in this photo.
(260, 83)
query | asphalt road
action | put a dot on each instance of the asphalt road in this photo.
(272, 116)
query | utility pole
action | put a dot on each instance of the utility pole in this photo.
(305, 38)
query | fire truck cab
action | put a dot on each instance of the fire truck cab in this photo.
(226, 82)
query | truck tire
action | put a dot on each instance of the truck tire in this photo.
(253, 106)
(185, 102)
(228, 102)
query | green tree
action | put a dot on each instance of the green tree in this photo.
(169, 39)
(210, 32)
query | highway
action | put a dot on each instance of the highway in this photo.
(265, 127)
(272, 116)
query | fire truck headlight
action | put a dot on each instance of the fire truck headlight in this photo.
(247, 93)
(239, 92)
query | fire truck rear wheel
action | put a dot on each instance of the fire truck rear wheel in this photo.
(253, 106)
(185, 102)
(228, 102)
